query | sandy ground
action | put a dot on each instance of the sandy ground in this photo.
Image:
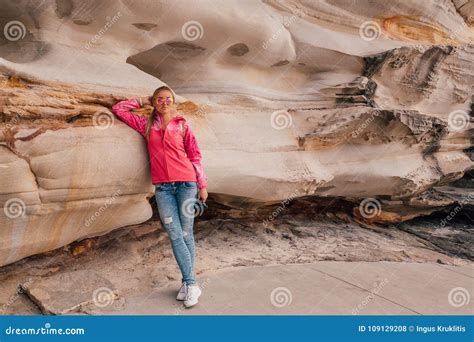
(138, 259)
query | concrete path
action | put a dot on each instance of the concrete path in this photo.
(322, 288)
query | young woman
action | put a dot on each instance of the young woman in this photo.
(177, 174)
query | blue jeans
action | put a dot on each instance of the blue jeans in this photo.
(176, 205)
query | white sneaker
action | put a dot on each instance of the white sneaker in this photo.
(182, 292)
(192, 295)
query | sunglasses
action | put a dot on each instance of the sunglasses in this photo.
(161, 100)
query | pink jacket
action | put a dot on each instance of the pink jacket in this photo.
(174, 152)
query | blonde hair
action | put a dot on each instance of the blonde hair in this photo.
(151, 118)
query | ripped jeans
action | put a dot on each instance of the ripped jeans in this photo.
(176, 205)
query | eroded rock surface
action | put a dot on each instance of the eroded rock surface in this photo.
(372, 104)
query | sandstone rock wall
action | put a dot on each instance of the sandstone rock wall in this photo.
(361, 100)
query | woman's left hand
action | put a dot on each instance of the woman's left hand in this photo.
(203, 194)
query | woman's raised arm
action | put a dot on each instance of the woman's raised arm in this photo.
(122, 110)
